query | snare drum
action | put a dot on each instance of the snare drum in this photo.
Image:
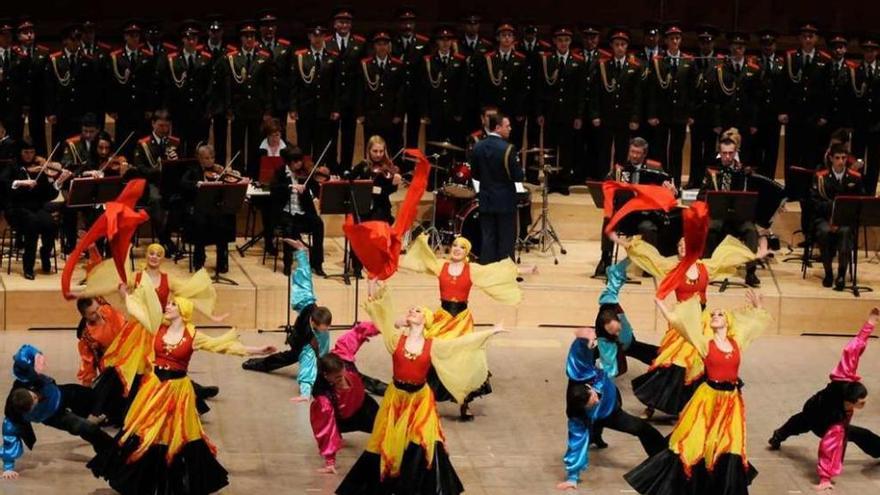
(459, 183)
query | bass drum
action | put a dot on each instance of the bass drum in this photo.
(467, 225)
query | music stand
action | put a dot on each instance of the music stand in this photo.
(801, 175)
(731, 206)
(347, 197)
(222, 198)
(90, 191)
(171, 175)
(855, 212)
(598, 196)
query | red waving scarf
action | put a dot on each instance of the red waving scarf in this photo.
(118, 224)
(646, 198)
(695, 222)
(378, 244)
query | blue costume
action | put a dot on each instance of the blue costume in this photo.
(61, 407)
(584, 376)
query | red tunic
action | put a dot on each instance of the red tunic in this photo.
(687, 288)
(163, 291)
(173, 357)
(722, 366)
(411, 370)
(455, 288)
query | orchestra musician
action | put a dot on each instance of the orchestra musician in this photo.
(295, 187)
(79, 156)
(208, 227)
(728, 174)
(385, 176)
(836, 180)
(638, 169)
(149, 153)
(30, 184)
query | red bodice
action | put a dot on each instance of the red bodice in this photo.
(688, 288)
(455, 288)
(172, 357)
(411, 370)
(163, 291)
(722, 366)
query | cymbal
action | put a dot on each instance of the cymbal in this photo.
(535, 150)
(547, 168)
(446, 145)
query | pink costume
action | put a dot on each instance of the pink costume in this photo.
(832, 447)
(335, 411)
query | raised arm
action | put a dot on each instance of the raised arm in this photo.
(687, 321)
(646, 257)
(847, 370)
(421, 258)
(729, 255)
(498, 280)
(616, 278)
(750, 322)
(349, 343)
(381, 312)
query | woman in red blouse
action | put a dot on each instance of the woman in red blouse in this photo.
(707, 447)
(162, 448)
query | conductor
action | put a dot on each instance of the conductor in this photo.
(495, 165)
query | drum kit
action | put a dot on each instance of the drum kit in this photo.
(455, 209)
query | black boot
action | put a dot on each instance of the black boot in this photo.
(840, 281)
(373, 385)
(255, 364)
(828, 280)
(775, 441)
(752, 279)
(601, 267)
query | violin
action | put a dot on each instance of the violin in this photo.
(115, 165)
(42, 166)
(386, 169)
(225, 175)
(320, 173)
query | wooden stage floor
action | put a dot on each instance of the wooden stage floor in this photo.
(515, 445)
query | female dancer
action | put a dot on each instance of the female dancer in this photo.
(406, 453)
(456, 276)
(677, 368)
(162, 448)
(341, 403)
(829, 412)
(707, 447)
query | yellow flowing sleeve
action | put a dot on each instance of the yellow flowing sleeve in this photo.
(461, 363)
(198, 288)
(646, 257)
(498, 281)
(421, 258)
(729, 255)
(381, 312)
(748, 324)
(143, 305)
(687, 320)
(228, 343)
(103, 279)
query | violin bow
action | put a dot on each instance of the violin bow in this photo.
(317, 163)
(118, 150)
(48, 160)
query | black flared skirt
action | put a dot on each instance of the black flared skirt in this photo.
(443, 395)
(194, 470)
(664, 474)
(663, 389)
(415, 477)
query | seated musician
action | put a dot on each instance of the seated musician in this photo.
(8, 146)
(80, 157)
(385, 176)
(836, 180)
(728, 174)
(30, 192)
(149, 153)
(110, 165)
(293, 195)
(637, 170)
(207, 227)
(273, 143)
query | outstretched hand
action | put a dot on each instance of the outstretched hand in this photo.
(374, 285)
(755, 298)
(299, 399)
(9, 475)
(874, 315)
(328, 470)
(567, 486)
